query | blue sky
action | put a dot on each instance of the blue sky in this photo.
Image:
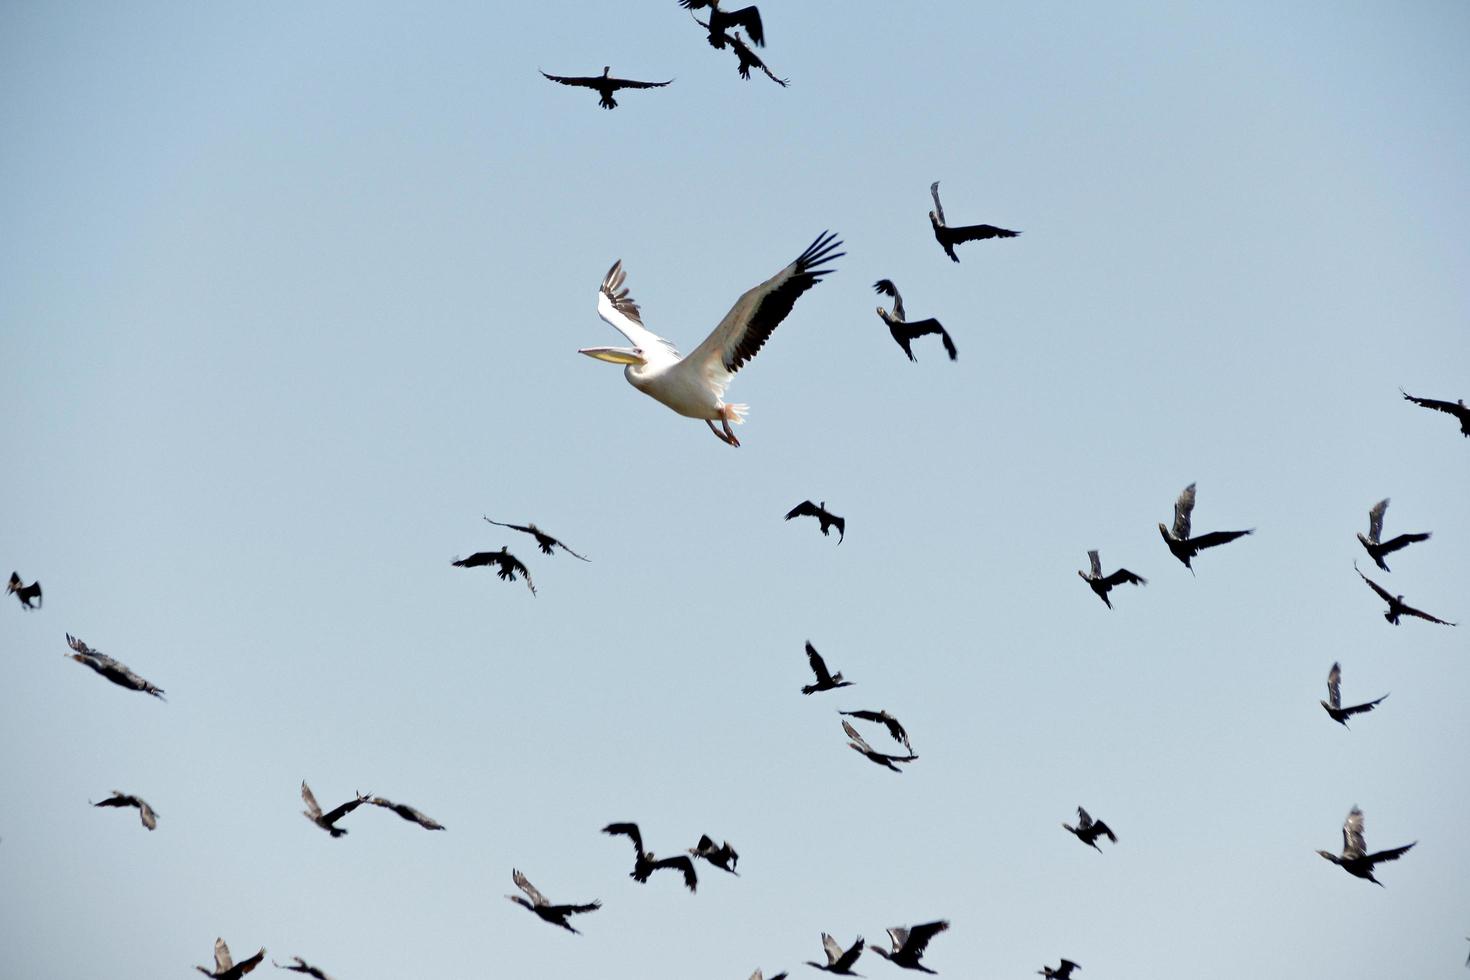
(290, 296)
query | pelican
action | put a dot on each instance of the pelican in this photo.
(694, 386)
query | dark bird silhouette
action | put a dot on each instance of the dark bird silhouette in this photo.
(839, 961)
(1376, 548)
(547, 912)
(226, 968)
(1396, 605)
(828, 520)
(880, 758)
(544, 540)
(1062, 972)
(25, 593)
(408, 813)
(1181, 545)
(327, 821)
(746, 55)
(720, 21)
(510, 565)
(902, 330)
(301, 966)
(1089, 830)
(604, 85)
(113, 670)
(949, 237)
(145, 812)
(1333, 704)
(723, 857)
(825, 681)
(1355, 859)
(909, 944)
(646, 864)
(885, 719)
(1101, 584)
(1457, 408)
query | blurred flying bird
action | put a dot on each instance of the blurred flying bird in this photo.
(694, 386)
(1377, 549)
(25, 593)
(1355, 859)
(1181, 545)
(909, 944)
(720, 20)
(1333, 704)
(301, 966)
(109, 668)
(1089, 830)
(885, 719)
(746, 55)
(880, 758)
(902, 330)
(226, 968)
(545, 541)
(1457, 408)
(837, 960)
(328, 821)
(646, 864)
(1062, 972)
(950, 237)
(1396, 605)
(510, 565)
(826, 518)
(825, 681)
(555, 914)
(722, 857)
(604, 85)
(408, 813)
(145, 812)
(758, 975)
(1101, 584)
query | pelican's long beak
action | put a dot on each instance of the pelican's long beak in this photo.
(615, 355)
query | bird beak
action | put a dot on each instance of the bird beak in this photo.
(614, 355)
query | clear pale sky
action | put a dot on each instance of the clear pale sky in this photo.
(290, 295)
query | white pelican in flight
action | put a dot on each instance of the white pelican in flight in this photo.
(694, 386)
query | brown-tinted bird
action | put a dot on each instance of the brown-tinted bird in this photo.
(949, 237)
(827, 519)
(113, 670)
(825, 681)
(145, 812)
(1457, 408)
(408, 813)
(545, 541)
(904, 332)
(1355, 859)
(1396, 605)
(327, 821)
(1333, 704)
(839, 961)
(547, 912)
(721, 20)
(885, 719)
(758, 975)
(1181, 545)
(510, 565)
(1101, 584)
(301, 966)
(1062, 972)
(646, 864)
(226, 968)
(909, 944)
(25, 593)
(858, 744)
(723, 857)
(1376, 548)
(1089, 830)
(604, 85)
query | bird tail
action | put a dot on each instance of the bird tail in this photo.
(736, 413)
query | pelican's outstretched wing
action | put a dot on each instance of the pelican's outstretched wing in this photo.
(620, 311)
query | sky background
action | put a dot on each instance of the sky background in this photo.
(290, 296)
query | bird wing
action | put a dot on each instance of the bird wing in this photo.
(938, 208)
(862, 744)
(1411, 611)
(1359, 709)
(841, 525)
(408, 813)
(1218, 538)
(476, 560)
(513, 527)
(697, 4)
(898, 935)
(1183, 507)
(864, 715)
(1334, 686)
(310, 799)
(559, 910)
(750, 19)
(524, 884)
(631, 830)
(1434, 403)
(1353, 844)
(337, 813)
(759, 310)
(1096, 562)
(896, 730)
(1121, 576)
(919, 935)
(222, 960)
(887, 288)
(1375, 520)
(80, 647)
(620, 311)
(847, 959)
(510, 564)
(618, 83)
(1103, 828)
(146, 814)
(1402, 541)
(818, 665)
(579, 80)
(1392, 854)
(975, 233)
(245, 966)
(1084, 819)
(684, 863)
(1382, 592)
(834, 951)
(804, 509)
(705, 845)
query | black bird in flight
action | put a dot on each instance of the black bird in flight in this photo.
(1089, 830)
(408, 813)
(825, 681)
(1102, 584)
(301, 966)
(544, 540)
(885, 719)
(949, 237)
(1333, 704)
(1062, 972)
(1396, 605)
(909, 944)
(828, 520)
(1376, 548)
(839, 961)
(723, 857)
(720, 20)
(547, 912)
(879, 758)
(758, 975)
(745, 54)
(327, 821)
(646, 864)
(1355, 859)
(604, 85)
(904, 332)
(227, 969)
(1458, 409)
(145, 812)
(1181, 545)
(510, 565)
(25, 593)
(113, 670)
